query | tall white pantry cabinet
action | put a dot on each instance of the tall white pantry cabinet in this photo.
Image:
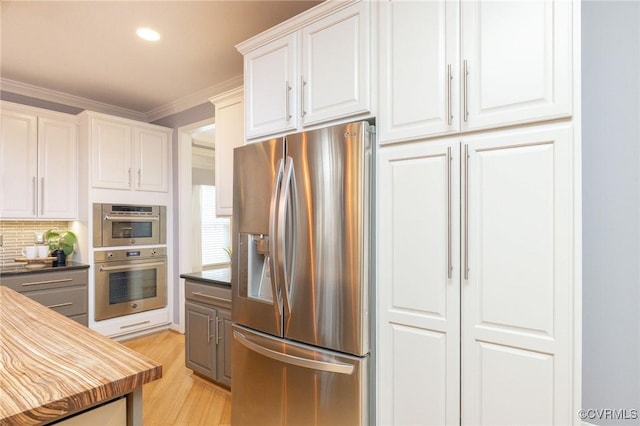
(478, 213)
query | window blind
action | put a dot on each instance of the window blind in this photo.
(215, 230)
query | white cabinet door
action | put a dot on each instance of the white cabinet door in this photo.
(111, 154)
(39, 167)
(271, 84)
(517, 58)
(499, 216)
(126, 155)
(57, 169)
(229, 110)
(419, 286)
(517, 290)
(335, 75)
(151, 161)
(19, 165)
(418, 86)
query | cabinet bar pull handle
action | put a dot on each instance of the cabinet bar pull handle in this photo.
(218, 334)
(139, 177)
(129, 172)
(134, 325)
(449, 263)
(60, 305)
(221, 299)
(286, 100)
(465, 74)
(65, 280)
(449, 78)
(208, 329)
(35, 200)
(42, 196)
(466, 212)
(303, 84)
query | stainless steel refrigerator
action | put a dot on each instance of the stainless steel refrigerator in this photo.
(302, 255)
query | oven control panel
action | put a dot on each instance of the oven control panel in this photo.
(129, 254)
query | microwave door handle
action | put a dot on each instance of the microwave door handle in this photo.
(273, 250)
(288, 185)
(131, 218)
(130, 267)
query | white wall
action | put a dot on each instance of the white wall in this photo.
(196, 114)
(611, 207)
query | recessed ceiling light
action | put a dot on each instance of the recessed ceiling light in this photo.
(148, 34)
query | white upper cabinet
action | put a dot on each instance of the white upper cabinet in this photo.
(335, 75)
(418, 69)
(517, 56)
(270, 79)
(312, 69)
(128, 155)
(151, 149)
(451, 66)
(229, 134)
(38, 164)
(111, 160)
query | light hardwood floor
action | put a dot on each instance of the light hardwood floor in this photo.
(180, 397)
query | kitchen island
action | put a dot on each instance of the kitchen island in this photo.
(52, 367)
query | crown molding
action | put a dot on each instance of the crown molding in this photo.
(190, 101)
(32, 91)
(198, 98)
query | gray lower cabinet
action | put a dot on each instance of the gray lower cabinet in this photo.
(65, 292)
(208, 331)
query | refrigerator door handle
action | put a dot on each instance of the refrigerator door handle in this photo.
(288, 184)
(273, 246)
(332, 367)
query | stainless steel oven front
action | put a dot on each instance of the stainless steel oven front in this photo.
(130, 281)
(128, 225)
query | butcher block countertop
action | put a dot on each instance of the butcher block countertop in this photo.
(51, 366)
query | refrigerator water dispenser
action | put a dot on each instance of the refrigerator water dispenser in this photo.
(255, 272)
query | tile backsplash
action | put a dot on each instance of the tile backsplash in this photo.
(18, 234)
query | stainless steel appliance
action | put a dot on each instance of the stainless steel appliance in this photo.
(130, 281)
(128, 225)
(302, 281)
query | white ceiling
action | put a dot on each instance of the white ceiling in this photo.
(89, 50)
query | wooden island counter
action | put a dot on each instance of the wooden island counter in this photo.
(52, 367)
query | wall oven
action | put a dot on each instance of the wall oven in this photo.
(128, 225)
(129, 281)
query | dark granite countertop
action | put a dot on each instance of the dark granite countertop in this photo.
(212, 276)
(18, 268)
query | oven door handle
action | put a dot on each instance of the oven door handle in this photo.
(131, 218)
(130, 267)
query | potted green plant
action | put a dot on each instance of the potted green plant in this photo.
(61, 244)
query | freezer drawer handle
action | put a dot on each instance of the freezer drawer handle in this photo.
(295, 360)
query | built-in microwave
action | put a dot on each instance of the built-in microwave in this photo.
(128, 225)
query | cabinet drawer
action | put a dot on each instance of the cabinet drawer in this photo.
(208, 294)
(46, 280)
(81, 319)
(66, 301)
